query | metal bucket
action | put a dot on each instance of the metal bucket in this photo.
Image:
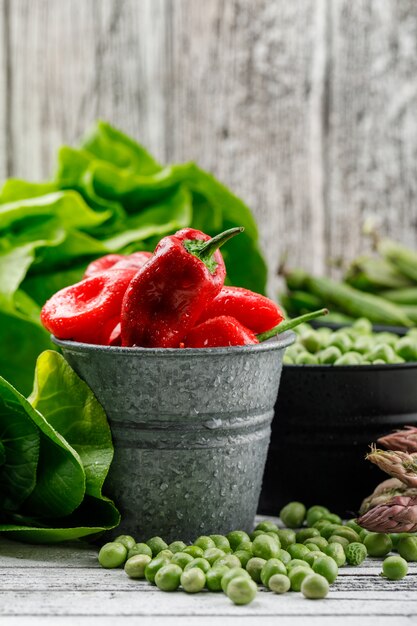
(190, 428)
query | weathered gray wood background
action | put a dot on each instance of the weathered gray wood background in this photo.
(306, 108)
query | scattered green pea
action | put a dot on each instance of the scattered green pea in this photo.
(112, 554)
(193, 580)
(136, 565)
(221, 542)
(306, 533)
(347, 532)
(271, 567)
(284, 556)
(337, 539)
(356, 553)
(254, 567)
(195, 551)
(241, 590)
(378, 544)
(395, 538)
(199, 562)
(204, 542)
(214, 577)
(153, 566)
(298, 550)
(236, 537)
(316, 512)
(212, 554)
(305, 358)
(326, 566)
(352, 524)
(168, 577)
(177, 546)
(293, 514)
(297, 575)
(232, 573)
(297, 563)
(267, 526)
(245, 545)
(181, 559)
(336, 552)
(407, 548)
(229, 560)
(126, 540)
(157, 544)
(279, 583)
(333, 518)
(319, 542)
(139, 548)
(265, 547)
(394, 567)
(243, 556)
(329, 355)
(327, 530)
(315, 587)
(286, 537)
(166, 553)
(312, 556)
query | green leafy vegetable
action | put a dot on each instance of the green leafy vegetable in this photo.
(55, 453)
(109, 195)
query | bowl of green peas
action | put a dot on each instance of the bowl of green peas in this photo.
(340, 390)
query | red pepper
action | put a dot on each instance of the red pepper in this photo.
(219, 331)
(251, 309)
(228, 331)
(168, 295)
(117, 262)
(88, 310)
(102, 264)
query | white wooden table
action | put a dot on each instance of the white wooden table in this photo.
(64, 585)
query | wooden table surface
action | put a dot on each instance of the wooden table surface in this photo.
(64, 585)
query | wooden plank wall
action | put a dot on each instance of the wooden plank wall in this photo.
(307, 109)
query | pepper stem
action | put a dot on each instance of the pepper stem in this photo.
(209, 247)
(288, 324)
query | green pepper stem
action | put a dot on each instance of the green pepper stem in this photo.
(209, 248)
(288, 324)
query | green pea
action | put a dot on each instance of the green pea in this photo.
(236, 537)
(284, 556)
(328, 357)
(195, 551)
(156, 544)
(306, 533)
(363, 344)
(333, 518)
(364, 533)
(200, 563)
(298, 550)
(347, 532)
(395, 538)
(316, 512)
(407, 548)
(168, 577)
(297, 563)
(265, 547)
(321, 523)
(274, 537)
(362, 325)
(243, 556)
(356, 553)
(286, 537)
(166, 553)
(381, 352)
(212, 554)
(326, 566)
(352, 524)
(312, 556)
(204, 542)
(136, 565)
(378, 544)
(338, 539)
(112, 554)
(341, 341)
(327, 530)
(305, 358)
(394, 567)
(242, 590)
(214, 578)
(245, 545)
(254, 534)
(311, 341)
(139, 548)
(153, 566)
(229, 560)
(406, 347)
(319, 543)
(279, 583)
(349, 358)
(267, 526)
(177, 546)
(271, 567)
(193, 580)
(254, 567)
(126, 540)
(181, 559)
(221, 542)
(315, 587)
(336, 552)
(232, 573)
(293, 514)
(297, 575)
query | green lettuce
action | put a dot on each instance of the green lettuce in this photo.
(55, 453)
(109, 195)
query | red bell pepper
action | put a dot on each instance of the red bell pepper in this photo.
(89, 310)
(102, 264)
(251, 309)
(135, 260)
(168, 295)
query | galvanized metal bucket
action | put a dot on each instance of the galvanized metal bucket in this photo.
(191, 429)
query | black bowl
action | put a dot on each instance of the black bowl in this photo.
(325, 419)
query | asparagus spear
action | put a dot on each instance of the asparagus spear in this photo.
(397, 464)
(399, 515)
(404, 440)
(384, 492)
